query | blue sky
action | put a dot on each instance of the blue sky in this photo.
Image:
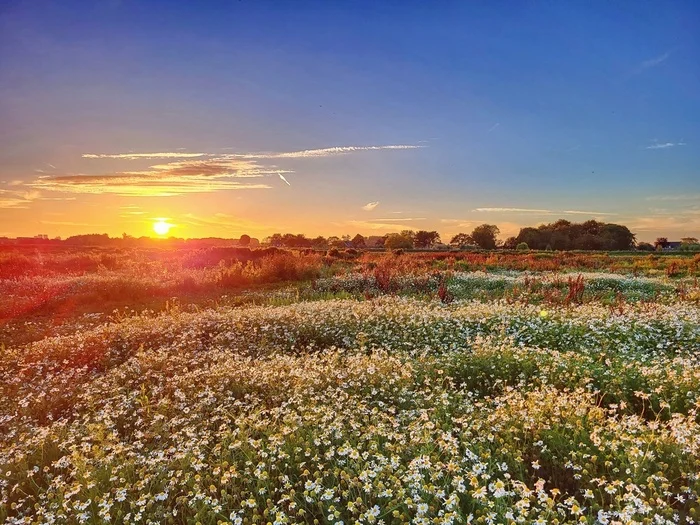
(512, 113)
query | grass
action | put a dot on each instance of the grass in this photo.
(307, 389)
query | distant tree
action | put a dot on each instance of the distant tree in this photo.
(319, 242)
(532, 237)
(660, 242)
(94, 239)
(461, 239)
(559, 240)
(561, 225)
(588, 235)
(335, 242)
(588, 241)
(591, 227)
(295, 241)
(244, 240)
(395, 241)
(274, 240)
(645, 247)
(616, 237)
(689, 240)
(358, 241)
(484, 236)
(411, 235)
(510, 243)
(425, 239)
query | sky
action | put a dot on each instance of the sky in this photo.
(332, 118)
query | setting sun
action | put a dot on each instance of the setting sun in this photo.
(161, 227)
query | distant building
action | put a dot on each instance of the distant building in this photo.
(672, 246)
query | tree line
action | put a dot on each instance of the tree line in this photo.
(559, 235)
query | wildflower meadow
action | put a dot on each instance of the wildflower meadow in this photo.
(358, 391)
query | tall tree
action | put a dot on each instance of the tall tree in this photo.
(510, 243)
(358, 241)
(617, 237)
(484, 236)
(425, 239)
(411, 235)
(395, 241)
(462, 239)
(660, 241)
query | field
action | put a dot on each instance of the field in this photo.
(236, 386)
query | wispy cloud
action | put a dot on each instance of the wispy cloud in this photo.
(225, 222)
(136, 156)
(579, 212)
(664, 145)
(654, 61)
(465, 225)
(186, 172)
(386, 223)
(681, 197)
(164, 180)
(17, 199)
(542, 211)
(518, 210)
(370, 206)
(324, 152)
(67, 223)
(308, 153)
(398, 219)
(493, 127)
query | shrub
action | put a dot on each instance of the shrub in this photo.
(522, 247)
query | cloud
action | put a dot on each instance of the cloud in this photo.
(66, 223)
(518, 210)
(135, 156)
(164, 180)
(370, 206)
(324, 152)
(664, 145)
(653, 61)
(683, 197)
(184, 173)
(389, 223)
(398, 219)
(284, 179)
(493, 127)
(369, 225)
(308, 153)
(579, 212)
(541, 211)
(466, 225)
(225, 222)
(17, 199)
(681, 223)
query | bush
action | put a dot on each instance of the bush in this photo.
(522, 247)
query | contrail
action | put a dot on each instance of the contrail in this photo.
(282, 177)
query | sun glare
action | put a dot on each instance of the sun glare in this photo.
(161, 227)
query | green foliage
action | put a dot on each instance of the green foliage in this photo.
(426, 239)
(395, 241)
(484, 236)
(589, 235)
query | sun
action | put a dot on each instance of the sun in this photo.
(161, 227)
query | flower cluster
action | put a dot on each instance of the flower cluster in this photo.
(392, 410)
